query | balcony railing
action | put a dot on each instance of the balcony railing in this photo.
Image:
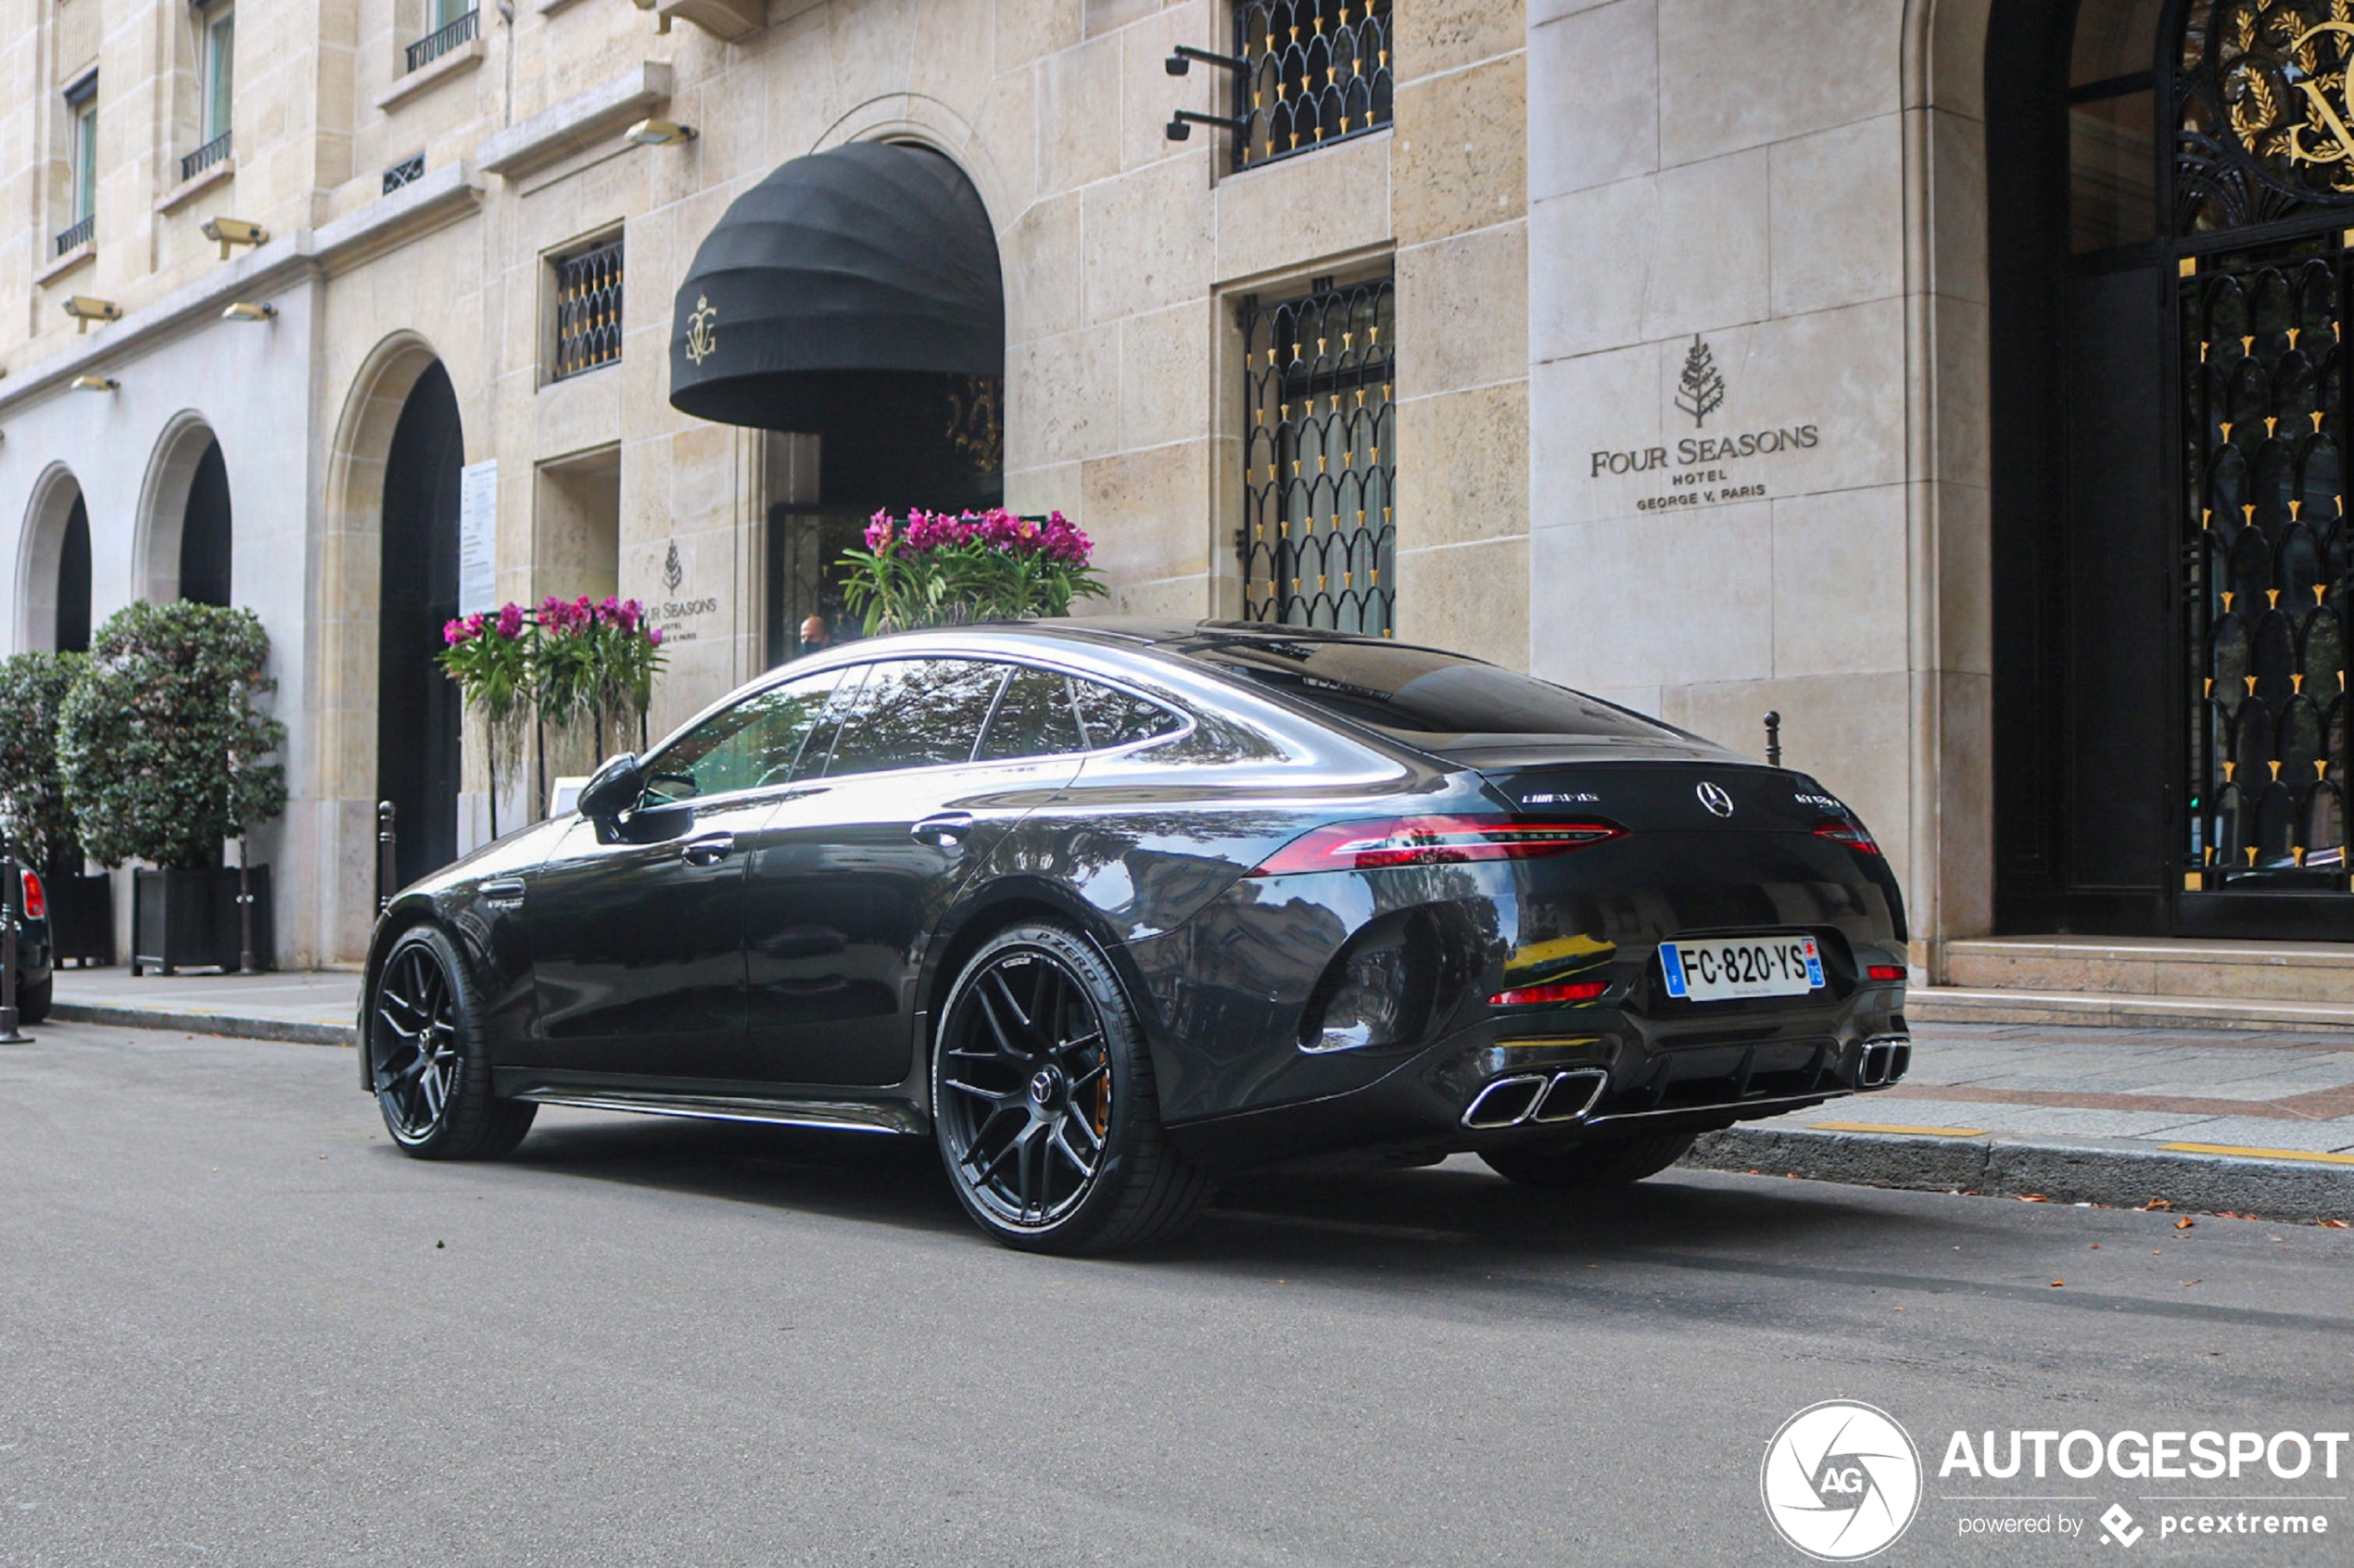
(407, 172)
(588, 310)
(1314, 72)
(78, 233)
(443, 38)
(204, 158)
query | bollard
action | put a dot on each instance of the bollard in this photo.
(11, 896)
(245, 913)
(386, 868)
(1773, 740)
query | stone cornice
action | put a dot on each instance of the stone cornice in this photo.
(576, 122)
(442, 197)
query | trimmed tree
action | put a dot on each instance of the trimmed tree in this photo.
(161, 740)
(32, 690)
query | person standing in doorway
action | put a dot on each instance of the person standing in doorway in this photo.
(814, 637)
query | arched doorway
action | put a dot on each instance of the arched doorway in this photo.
(53, 568)
(2171, 276)
(185, 531)
(853, 301)
(204, 531)
(418, 713)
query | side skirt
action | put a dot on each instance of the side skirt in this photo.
(841, 1116)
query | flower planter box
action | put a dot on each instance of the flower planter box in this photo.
(81, 917)
(188, 919)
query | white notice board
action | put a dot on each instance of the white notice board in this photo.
(478, 537)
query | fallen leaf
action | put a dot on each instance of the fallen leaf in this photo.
(2155, 1204)
(2097, 1247)
(2058, 1284)
(2227, 1214)
(2032, 1197)
(2184, 1223)
(2188, 1284)
(2333, 1224)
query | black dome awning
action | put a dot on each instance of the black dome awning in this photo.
(871, 263)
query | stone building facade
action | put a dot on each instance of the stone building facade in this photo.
(1691, 317)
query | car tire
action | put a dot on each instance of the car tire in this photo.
(1044, 1103)
(426, 1056)
(1619, 1163)
(33, 1000)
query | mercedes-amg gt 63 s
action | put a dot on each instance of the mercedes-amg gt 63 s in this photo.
(1110, 907)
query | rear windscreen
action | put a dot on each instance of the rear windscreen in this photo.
(1419, 692)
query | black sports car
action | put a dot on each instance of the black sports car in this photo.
(1109, 907)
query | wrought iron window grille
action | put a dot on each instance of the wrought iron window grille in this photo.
(204, 158)
(588, 309)
(1319, 539)
(1314, 72)
(78, 233)
(443, 38)
(407, 172)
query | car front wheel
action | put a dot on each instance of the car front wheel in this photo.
(1043, 1099)
(427, 1060)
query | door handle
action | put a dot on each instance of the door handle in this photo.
(709, 849)
(506, 892)
(946, 830)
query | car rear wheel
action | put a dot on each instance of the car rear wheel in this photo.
(426, 1059)
(33, 1000)
(1042, 1094)
(1619, 1163)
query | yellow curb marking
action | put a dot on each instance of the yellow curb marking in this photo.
(1878, 1126)
(2258, 1154)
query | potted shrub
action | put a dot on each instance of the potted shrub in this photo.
(933, 569)
(162, 746)
(32, 689)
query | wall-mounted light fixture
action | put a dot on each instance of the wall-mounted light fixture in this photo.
(94, 384)
(659, 133)
(233, 231)
(85, 310)
(1181, 63)
(244, 310)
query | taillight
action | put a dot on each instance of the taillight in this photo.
(1385, 843)
(1848, 831)
(36, 901)
(1532, 995)
(1885, 972)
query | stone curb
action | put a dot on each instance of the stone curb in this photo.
(2105, 1170)
(292, 1030)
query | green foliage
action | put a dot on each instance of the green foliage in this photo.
(160, 740)
(33, 689)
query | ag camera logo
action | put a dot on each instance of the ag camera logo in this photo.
(1840, 1480)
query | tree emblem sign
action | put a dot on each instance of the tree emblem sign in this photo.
(702, 335)
(1701, 390)
(673, 574)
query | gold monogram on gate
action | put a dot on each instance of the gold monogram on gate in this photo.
(2283, 80)
(703, 337)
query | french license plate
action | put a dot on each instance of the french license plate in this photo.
(1728, 969)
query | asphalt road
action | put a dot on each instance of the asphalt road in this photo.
(236, 1326)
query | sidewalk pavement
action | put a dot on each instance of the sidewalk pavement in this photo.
(307, 1007)
(2228, 1121)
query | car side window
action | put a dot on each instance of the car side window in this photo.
(915, 712)
(743, 747)
(1114, 719)
(1035, 718)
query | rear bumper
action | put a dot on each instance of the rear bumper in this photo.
(1606, 1073)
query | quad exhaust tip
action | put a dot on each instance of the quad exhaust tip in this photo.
(1549, 1099)
(1883, 1063)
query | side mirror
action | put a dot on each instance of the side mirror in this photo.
(613, 789)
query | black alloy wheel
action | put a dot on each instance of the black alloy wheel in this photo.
(425, 1058)
(1043, 1099)
(1616, 1162)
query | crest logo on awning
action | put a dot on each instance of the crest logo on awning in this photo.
(702, 335)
